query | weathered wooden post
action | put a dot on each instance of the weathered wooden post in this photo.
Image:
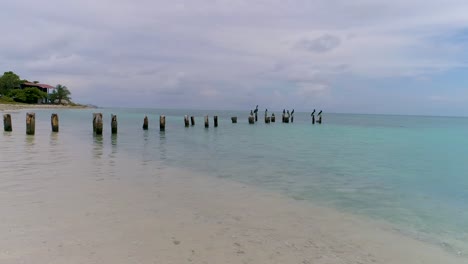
(292, 116)
(145, 123)
(251, 118)
(256, 111)
(286, 117)
(273, 118)
(215, 121)
(162, 123)
(97, 123)
(7, 123)
(313, 117)
(267, 120)
(54, 121)
(319, 121)
(30, 123)
(234, 119)
(266, 115)
(113, 124)
(207, 121)
(192, 120)
(186, 121)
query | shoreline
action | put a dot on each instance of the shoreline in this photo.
(13, 107)
(153, 213)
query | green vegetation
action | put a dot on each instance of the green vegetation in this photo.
(11, 92)
(9, 81)
(60, 93)
(27, 95)
(7, 100)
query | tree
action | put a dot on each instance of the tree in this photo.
(60, 93)
(9, 81)
(28, 95)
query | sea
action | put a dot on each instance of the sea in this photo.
(410, 172)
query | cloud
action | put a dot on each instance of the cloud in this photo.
(321, 44)
(229, 53)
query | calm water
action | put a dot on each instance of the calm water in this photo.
(409, 171)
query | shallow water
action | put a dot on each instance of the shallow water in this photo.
(409, 171)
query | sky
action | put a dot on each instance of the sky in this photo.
(360, 56)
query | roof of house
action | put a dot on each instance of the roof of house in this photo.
(41, 85)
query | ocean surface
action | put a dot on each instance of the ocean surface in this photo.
(409, 171)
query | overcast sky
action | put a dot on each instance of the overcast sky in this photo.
(359, 56)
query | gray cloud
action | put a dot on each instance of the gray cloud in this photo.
(321, 44)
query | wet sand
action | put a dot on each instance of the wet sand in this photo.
(165, 215)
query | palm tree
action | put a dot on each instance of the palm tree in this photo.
(60, 93)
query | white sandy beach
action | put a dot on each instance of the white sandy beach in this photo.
(173, 216)
(14, 107)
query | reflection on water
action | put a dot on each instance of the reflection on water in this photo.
(30, 141)
(162, 145)
(112, 155)
(53, 139)
(114, 140)
(97, 146)
(145, 152)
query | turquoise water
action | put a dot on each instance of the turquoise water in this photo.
(409, 171)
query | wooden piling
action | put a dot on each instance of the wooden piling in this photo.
(30, 123)
(162, 123)
(251, 119)
(207, 122)
(215, 121)
(292, 119)
(273, 118)
(113, 124)
(313, 119)
(7, 127)
(192, 120)
(54, 121)
(145, 123)
(268, 120)
(186, 121)
(319, 121)
(234, 119)
(97, 123)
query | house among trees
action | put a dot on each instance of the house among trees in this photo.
(42, 87)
